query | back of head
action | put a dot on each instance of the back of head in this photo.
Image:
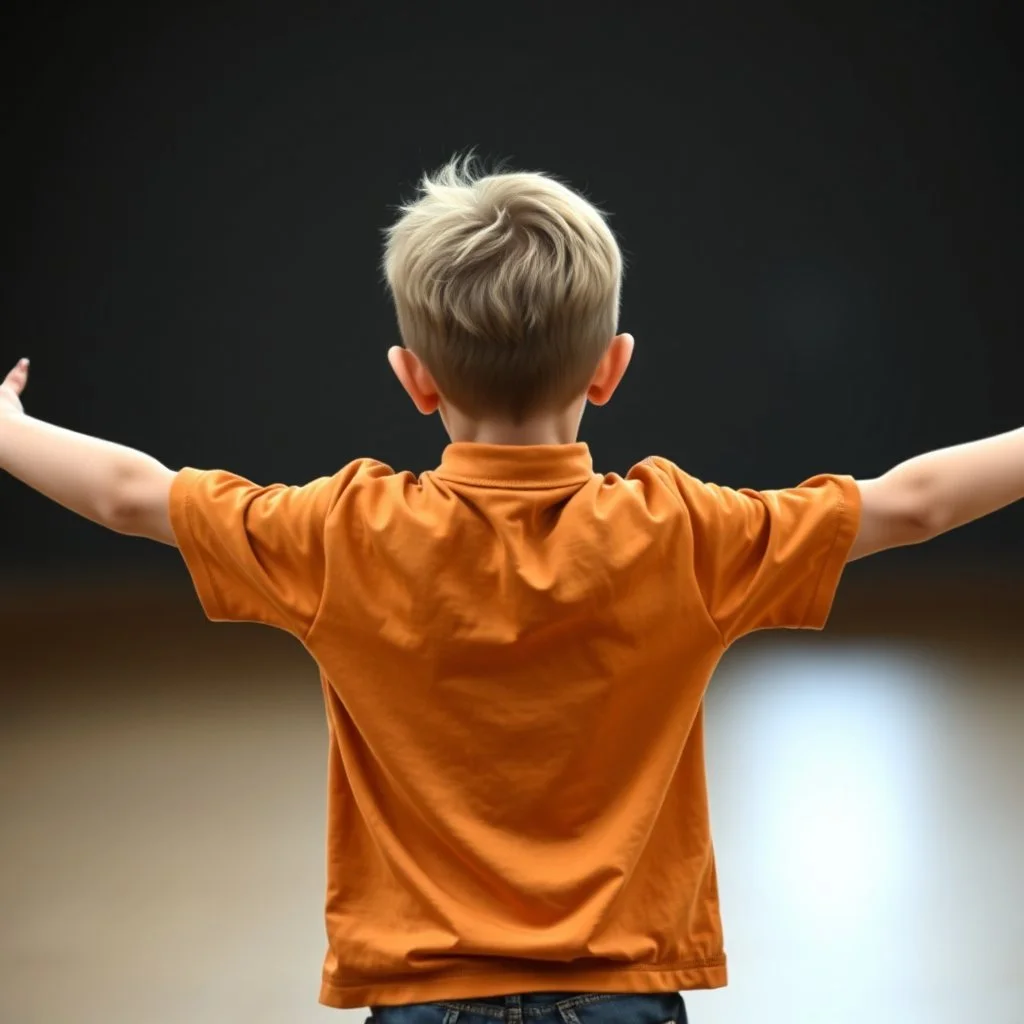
(506, 286)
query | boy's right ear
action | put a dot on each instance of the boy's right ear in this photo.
(415, 378)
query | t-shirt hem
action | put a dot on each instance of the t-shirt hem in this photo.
(467, 985)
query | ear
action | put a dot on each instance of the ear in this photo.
(611, 369)
(415, 378)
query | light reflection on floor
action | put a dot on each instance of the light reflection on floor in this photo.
(163, 855)
(868, 804)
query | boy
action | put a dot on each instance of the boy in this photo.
(513, 649)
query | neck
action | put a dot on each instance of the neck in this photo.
(500, 433)
(555, 428)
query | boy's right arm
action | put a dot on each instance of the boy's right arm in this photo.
(937, 492)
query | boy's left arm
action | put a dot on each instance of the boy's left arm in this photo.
(115, 486)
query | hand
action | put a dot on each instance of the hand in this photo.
(11, 389)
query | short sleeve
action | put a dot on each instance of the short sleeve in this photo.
(768, 559)
(255, 554)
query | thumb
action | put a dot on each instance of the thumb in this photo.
(18, 377)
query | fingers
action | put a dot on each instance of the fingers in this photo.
(18, 377)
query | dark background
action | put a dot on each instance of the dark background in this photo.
(819, 206)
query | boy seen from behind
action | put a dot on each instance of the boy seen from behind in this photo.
(513, 648)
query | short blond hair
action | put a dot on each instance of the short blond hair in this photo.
(506, 286)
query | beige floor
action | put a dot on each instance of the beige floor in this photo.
(161, 821)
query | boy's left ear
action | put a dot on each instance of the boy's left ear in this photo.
(415, 378)
(611, 369)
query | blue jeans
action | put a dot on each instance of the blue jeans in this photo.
(541, 1008)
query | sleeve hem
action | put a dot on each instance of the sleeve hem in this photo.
(847, 526)
(182, 522)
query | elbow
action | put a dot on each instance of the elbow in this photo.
(897, 511)
(923, 514)
(125, 522)
(910, 508)
(123, 503)
(122, 516)
(924, 525)
(935, 523)
(141, 506)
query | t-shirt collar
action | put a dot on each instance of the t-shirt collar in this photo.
(509, 465)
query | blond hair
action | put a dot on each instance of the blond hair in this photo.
(506, 286)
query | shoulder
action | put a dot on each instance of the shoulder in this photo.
(654, 484)
(368, 487)
(366, 474)
(658, 472)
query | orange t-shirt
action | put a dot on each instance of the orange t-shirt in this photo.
(514, 652)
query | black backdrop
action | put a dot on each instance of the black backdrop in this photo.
(819, 206)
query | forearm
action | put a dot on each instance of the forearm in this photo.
(960, 484)
(84, 474)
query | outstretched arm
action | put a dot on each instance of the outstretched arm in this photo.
(937, 492)
(117, 487)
